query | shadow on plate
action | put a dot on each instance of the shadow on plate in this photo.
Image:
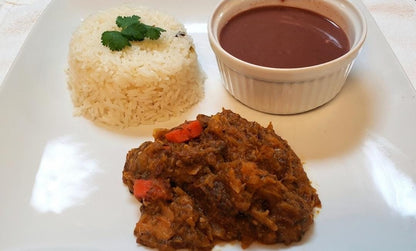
(333, 129)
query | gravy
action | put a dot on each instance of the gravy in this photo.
(283, 37)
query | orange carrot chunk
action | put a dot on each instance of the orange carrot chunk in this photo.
(150, 190)
(185, 132)
(194, 129)
(177, 136)
(141, 187)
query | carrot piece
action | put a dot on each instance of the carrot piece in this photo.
(177, 136)
(141, 187)
(150, 190)
(194, 128)
(185, 132)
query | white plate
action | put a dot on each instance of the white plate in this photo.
(60, 176)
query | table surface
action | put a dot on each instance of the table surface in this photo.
(395, 18)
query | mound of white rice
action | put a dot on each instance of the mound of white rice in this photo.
(148, 82)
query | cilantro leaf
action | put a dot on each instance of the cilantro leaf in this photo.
(114, 40)
(135, 32)
(124, 22)
(153, 32)
(131, 30)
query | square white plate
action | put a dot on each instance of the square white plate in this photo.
(60, 176)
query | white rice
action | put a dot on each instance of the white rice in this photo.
(148, 82)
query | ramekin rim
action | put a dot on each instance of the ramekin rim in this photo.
(353, 50)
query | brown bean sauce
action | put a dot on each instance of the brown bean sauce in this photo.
(283, 37)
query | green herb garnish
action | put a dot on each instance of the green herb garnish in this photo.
(131, 30)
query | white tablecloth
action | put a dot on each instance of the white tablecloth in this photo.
(396, 19)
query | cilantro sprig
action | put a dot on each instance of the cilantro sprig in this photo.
(131, 30)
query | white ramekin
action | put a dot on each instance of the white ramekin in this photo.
(287, 90)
